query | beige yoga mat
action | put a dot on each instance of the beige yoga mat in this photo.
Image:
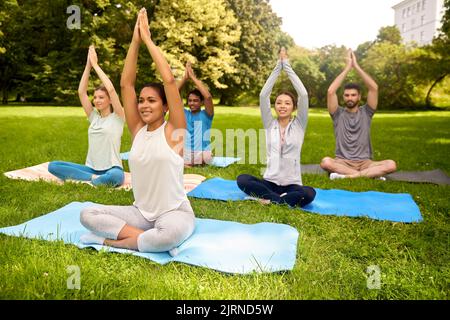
(40, 172)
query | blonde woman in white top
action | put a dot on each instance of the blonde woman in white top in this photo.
(161, 217)
(103, 163)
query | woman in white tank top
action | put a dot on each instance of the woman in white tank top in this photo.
(161, 217)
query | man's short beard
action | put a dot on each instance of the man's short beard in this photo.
(353, 105)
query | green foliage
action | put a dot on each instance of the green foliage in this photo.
(390, 65)
(256, 50)
(331, 62)
(432, 66)
(232, 44)
(389, 34)
(229, 43)
(303, 62)
(445, 28)
(204, 36)
(46, 61)
(12, 53)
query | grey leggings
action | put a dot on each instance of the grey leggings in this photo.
(165, 233)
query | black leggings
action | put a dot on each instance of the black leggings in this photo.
(296, 195)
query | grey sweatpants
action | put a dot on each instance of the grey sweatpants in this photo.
(165, 233)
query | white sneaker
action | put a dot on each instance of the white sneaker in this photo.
(79, 181)
(334, 176)
(381, 178)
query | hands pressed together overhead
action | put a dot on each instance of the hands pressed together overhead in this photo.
(141, 31)
(189, 72)
(283, 54)
(92, 56)
(351, 60)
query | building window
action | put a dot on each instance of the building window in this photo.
(422, 36)
(403, 27)
(413, 22)
(409, 11)
(424, 3)
(404, 13)
(418, 7)
(422, 20)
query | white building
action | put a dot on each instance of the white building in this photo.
(419, 20)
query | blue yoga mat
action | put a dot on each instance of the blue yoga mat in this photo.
(221, 162)
(398, 207)
(225, 246)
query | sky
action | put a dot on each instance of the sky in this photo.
(316, 23)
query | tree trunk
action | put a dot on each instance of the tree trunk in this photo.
(222, 100)
(428, 98)
(226, 99)
(5, 96)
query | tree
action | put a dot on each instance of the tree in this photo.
(444, 34)
(363, 48)
(331, 62)
(256, 50)
(12, 53)
(391, 66)
(389, 34)
(201, 32)
(432, 67)
(306, 67)
(432, 62)
(45, 59)
(231, 43)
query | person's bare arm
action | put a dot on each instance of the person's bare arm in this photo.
(182, 82)
(372, 87)
(176, 110)
(83, 87)
(208, 100)
(332, 98)
(115, 101)
(127, 84)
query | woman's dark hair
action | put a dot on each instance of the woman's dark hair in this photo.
(159, 88)
(103, 88)
(291, 95)
(197, 93)
(352, 85)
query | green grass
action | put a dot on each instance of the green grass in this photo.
(333, 252)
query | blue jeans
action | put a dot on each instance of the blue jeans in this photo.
(69, 170)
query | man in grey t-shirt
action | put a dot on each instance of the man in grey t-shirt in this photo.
(352, 128)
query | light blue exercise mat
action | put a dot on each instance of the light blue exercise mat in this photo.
(221, 162)
(397, 207)
(225, 246)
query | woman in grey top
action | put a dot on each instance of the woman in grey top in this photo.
(282, 181)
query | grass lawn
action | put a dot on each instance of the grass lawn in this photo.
(333, 252)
